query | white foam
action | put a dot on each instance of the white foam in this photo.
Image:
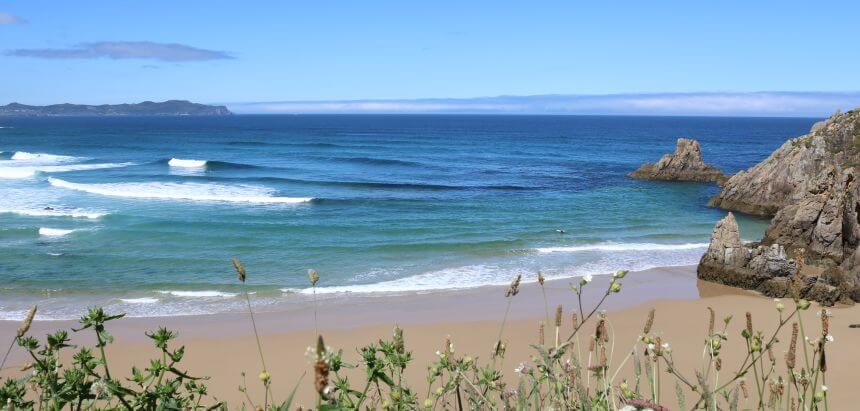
(41, 212)
(28, 171)
(199, 294)
(178, 162)
(142, 300)
(618, 247)
(53, 232)
(16, 172)
(42, 157)
(182, 191)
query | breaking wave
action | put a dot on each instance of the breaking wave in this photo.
(182, 191)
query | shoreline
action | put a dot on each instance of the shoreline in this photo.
(675, 282)
(222, 346)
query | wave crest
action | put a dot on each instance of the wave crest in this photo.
(53, 232)
(182, 191)
(179, 162)
(617, 247)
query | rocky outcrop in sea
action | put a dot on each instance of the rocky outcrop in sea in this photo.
(686, 164)
(809, 186)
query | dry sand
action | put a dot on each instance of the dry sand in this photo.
(222, 346)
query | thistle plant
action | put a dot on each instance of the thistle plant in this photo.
(86, 382)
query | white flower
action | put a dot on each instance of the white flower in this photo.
(829, 338)
(665, 345)
(523, 368)
(824, 388)
(651, 346)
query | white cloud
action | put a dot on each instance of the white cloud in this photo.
(813, 104)
(6, 18)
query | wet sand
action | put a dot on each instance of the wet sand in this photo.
(222, 346)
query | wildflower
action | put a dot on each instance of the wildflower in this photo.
(313, 276)
(99, 389)
(829, 338)
(803, 304)
(824, 388)
(428, 403)
(523, 368)
(779, 305)
(264, 377)
(615, 287)
(586, 279)
(621, 274)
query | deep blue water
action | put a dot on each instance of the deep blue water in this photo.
(374, 203)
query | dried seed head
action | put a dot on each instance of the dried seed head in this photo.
(658, 346)
(650, 322)
(711, 316)
(791, 355)
(744, 389)
(558, 313)
(600, 331)
(603, 360)
(770, 355)
(749, 323)
(591, 344)
(540, 278)
(825, 323)
(399, 342)
(321, 368)
(574, 320)
(313, 276)
(240, 270)
(540, 333)
(822, 359)
(28, 321)
(514, 289)
(719, 364)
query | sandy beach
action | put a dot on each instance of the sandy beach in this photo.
(222, 346)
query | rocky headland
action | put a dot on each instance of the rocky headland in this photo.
(686, 164)
(146, 108)
(810, 249)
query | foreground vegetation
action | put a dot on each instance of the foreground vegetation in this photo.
(581, 370)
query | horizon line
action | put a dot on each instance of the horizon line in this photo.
(693, 104)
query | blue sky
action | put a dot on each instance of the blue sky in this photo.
(260, 51)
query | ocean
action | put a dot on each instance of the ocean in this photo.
(142, 215)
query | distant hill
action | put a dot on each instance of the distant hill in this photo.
(147, 108)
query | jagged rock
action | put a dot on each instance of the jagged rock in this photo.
(685, 164)
(728, 261)
(809, 185)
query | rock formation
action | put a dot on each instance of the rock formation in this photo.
(685, 164)
(809, 185)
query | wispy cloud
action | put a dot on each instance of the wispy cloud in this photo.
(6, 18)
(792, 104)
(145, 50)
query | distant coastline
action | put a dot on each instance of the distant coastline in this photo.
(146, 108)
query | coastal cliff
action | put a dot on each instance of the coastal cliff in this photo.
(146, 108)
(809, 186)
(686, 164)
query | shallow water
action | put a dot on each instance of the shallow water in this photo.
(143, 214)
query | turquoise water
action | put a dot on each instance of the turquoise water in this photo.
(93, 210)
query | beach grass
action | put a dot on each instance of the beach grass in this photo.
(582, 365)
